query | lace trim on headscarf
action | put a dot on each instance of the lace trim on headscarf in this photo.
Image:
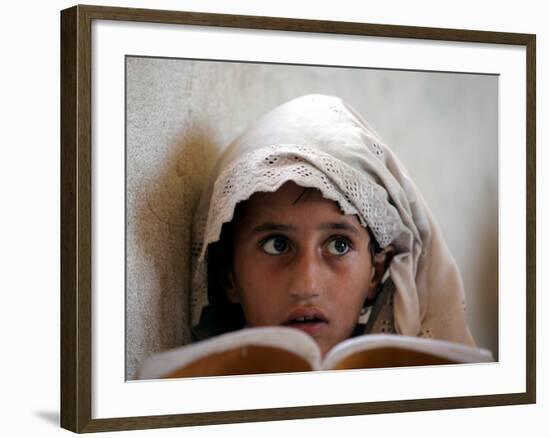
(266, 169)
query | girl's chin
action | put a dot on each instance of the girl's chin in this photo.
(314, 329)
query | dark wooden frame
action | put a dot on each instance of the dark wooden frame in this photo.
(76, 238)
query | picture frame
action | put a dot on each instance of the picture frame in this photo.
(78, 169)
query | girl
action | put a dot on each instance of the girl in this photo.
(310, 221)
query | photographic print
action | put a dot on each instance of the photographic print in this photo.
(255, 204)
(183, 114)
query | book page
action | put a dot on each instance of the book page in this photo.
(380, 351)
(247, 351)
(248, 359)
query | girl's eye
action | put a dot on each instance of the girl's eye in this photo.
(275, 245)
(339, 246)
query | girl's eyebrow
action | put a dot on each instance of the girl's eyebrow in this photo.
(272, 226)
(338, 226)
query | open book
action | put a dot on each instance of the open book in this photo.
(283, 349)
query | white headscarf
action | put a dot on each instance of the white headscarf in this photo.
(318, 141)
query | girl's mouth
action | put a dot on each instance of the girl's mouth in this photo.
(310, 321)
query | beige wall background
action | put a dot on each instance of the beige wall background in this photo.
(181, 113)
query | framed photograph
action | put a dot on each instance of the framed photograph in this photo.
(151, 99)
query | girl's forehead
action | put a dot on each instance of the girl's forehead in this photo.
(287, 197)
(289, 191)
(291, 203)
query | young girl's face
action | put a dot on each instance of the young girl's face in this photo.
(301, 263)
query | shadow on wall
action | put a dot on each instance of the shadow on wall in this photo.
(157, 314)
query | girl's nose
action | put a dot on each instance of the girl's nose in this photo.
(305, 275)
